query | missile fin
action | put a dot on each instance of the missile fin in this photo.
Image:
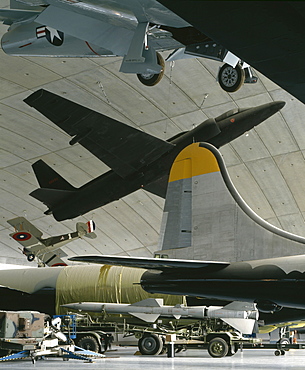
(149, 302)
(240, 306)
(148, 317)
(245, 326)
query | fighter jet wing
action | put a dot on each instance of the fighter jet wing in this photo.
(123, 148)
(9, 16)
(151, 263)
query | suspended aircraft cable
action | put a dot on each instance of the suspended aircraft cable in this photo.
(172, 64)
(100, 85)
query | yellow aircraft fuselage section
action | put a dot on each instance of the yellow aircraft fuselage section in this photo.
(193, 161)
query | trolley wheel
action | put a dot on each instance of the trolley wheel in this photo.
(89, 342)
(150, 344)
(218, 347)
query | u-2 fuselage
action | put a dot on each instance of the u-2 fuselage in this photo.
(110, 186)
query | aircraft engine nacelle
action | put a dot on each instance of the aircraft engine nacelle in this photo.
(34, 39)
(268, 307)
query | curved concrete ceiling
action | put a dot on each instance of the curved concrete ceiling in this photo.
(267, 164)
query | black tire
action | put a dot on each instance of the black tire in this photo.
(31, 257)
(231, 79)
(151, 79)
(218, 347)
(89, 342)
(150, 345)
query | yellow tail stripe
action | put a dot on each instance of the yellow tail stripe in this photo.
(193, 161)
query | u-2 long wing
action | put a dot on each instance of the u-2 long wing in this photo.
(150, 263)
(122, 147)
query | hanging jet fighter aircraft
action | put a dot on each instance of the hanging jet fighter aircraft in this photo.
(138, 160)
(269, 35)
(265, 34)
(131, 29)
(34, 246)
(204, 211)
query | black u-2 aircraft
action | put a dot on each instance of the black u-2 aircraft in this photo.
(137, 159)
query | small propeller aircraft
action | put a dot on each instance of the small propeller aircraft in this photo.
(34, 246)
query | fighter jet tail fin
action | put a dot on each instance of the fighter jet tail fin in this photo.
(205, 217)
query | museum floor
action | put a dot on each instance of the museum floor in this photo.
(125, 358)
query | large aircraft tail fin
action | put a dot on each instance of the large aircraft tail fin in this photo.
(53, 187)
(206, 218)
(49, 178)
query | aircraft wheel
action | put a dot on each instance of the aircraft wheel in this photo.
(31, 257)
(89, 342)
(231, 79)
(218, 347)
(150, 344)
(151, 79)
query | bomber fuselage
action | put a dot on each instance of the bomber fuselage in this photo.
(280, 281)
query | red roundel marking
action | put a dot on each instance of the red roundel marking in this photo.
(232, 120)
(20, 237)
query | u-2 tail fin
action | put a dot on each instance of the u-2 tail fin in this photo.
(53, 187)
(206, 218)
(49, 178)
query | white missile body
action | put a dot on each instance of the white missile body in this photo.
(240, 315)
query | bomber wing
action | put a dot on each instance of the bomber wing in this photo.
(151, 263)
(122, 147)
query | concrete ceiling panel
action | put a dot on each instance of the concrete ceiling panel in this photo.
(292, 167)
(273, 185)
(295, 224)
(29, 75)
(249, 147)
(250, 191)
(230, 155)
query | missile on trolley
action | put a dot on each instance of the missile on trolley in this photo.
(240, 315)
